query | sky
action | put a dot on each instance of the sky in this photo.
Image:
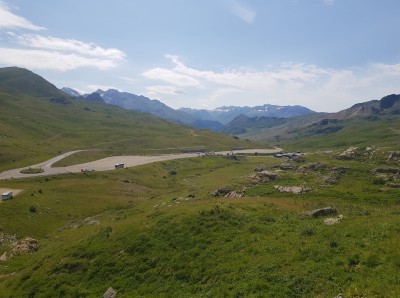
(322, 54)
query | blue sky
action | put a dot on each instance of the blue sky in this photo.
(323, 54)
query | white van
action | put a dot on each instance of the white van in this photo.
(6, 195)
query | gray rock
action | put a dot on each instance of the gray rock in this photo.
(110, 293)
(393, 154)
(293, 189)
(234, 194)
(220, 192)
(263, 176)
(348, 154)
(333, 220)
(386, 170)
(319, 212)
(341, 170)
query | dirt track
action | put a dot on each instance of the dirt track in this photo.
(107, 164)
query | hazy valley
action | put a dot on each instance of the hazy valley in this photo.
(319, 223)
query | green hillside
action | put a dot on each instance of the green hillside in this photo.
(156, 231)
(20, 80)
(206, 226)
(374, 123)
(361, 132)
(33, 129)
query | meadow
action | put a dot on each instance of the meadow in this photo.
(34, 129)
(156, 230)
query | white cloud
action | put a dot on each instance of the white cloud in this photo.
(50, 60)
(70, 45)
(243, 12)
(93, 88)
(321, 89)
(249, 79)
(11, 20)
(170, 76)
(156, 91)
(128, 80)
(52, 53)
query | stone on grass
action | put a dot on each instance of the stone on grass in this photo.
(319, 212)
(221, 191)
(293, 189)
(348, 154)
(234, 194)
(333, 220)
(4, 257)
(26, 245)
(110, 293)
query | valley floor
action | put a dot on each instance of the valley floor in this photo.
(209, 226)
(108, 163)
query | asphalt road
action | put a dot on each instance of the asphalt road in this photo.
(108, 163)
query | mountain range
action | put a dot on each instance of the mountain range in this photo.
(39, 121)
(360, 124)
(295, 125)
(217, 120)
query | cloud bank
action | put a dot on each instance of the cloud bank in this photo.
(288, 83)
(39, 52)
(12, 21)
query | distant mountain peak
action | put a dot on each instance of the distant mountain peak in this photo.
(226, 114)
(70, 91)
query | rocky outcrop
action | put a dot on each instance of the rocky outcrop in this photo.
(333, 220)
(234, 194)
(313, 166)
(334, 176)
(319, 212)
(348, 154)
(4, 257)
(24, 246)
(293, 189)
(227, 193)
(287, 167)
(386, 171)
(263, 176)
(393, 155)
(220, 192)
(110, 293)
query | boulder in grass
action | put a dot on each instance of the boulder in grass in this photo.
(319, 212)
(234, 194)
(293, 189)
(110, 293)
(330, 221)
(221, 192)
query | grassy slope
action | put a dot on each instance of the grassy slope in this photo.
(20, 80)
(35, 129)
(295, 134)
(204, 246)
(356, 132)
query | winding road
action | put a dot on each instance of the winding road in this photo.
(108, 163)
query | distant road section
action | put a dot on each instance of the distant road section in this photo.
(108, 163)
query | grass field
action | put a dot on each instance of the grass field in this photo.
(156, 231)
(35, 129)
